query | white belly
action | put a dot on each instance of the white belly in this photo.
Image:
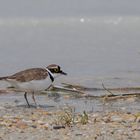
(34, 85)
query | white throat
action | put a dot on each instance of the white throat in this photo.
(55, 75)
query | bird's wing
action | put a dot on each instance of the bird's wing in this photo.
(28, 75)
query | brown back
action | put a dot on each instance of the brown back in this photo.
(29, 75)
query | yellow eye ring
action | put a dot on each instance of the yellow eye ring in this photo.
(56, 70)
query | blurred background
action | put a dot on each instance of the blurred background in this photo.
(94, 41)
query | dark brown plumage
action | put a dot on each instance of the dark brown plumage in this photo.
(28, 75)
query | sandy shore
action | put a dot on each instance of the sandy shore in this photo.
(20, 123)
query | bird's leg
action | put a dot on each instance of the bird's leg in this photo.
(33, 97)
(25, 96)
(49, 87)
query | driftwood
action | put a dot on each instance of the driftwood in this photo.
(69, 90)
(79, 87)
(110, 96)
(80, 91)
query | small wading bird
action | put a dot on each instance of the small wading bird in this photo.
(34, 79)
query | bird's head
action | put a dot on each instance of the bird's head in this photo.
(56, 70)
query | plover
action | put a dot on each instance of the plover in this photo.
(34, 79)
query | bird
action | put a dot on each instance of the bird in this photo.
(34, 79)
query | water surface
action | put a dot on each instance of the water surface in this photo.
(91, 50)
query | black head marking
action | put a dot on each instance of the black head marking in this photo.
(55, 69)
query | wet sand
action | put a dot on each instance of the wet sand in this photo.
(18, 122)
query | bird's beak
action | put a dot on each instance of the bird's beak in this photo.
(63, 73)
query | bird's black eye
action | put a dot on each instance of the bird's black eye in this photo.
(56, 70)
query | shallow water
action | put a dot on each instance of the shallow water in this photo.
(91, 50)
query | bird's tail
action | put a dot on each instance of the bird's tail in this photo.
(3, 78)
